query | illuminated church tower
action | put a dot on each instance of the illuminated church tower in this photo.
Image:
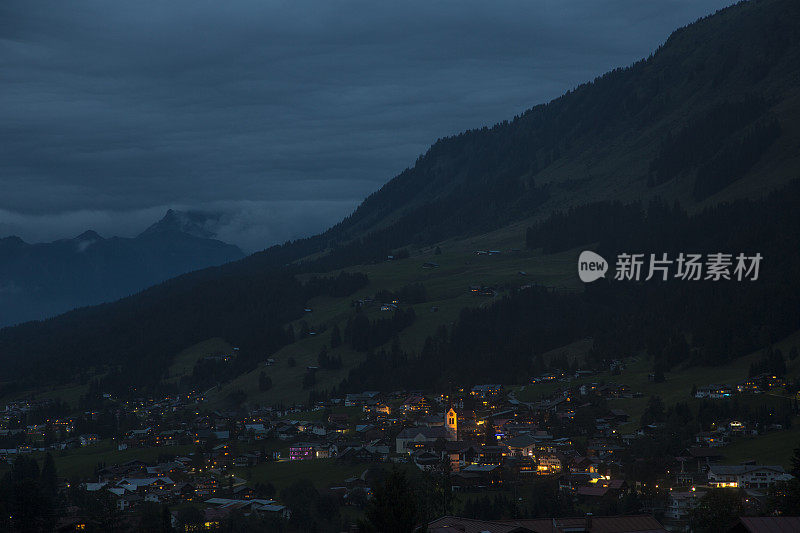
(451, 423)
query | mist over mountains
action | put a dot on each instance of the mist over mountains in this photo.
(43, 279)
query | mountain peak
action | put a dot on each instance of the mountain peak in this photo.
(12, 240)
(193, 223)
(89, 235)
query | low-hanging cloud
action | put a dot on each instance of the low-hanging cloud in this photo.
(281, 114)
(247, 224)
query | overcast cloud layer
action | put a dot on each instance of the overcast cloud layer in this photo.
(284, 115)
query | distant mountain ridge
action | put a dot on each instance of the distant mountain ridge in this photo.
(43, 279)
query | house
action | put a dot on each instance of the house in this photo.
(550, 463)
(415, 404)
(603, 448)
(407, 437)
(483, 474)
(684, 478)
(765, 524)
(522, 445)
(715, 392)
(619, 415)
(133, 484)
(704, 455)
(746, 476)
(712, 438)
(751, 385)
(523, 465)
(245, 460)
(128, 501)
(493, 455)
(273, 509)
(286, 431)
(570, 482)
(426, 461)
(680, 504)
(461, 454)
(592, 492)
(352, 400)
(601, 488)
(301, 451)
(88, 439)
(737, 427)
(325, 450)
(243, 492)
(614, 390)
(582, 464)
(487, 390)
(258, 431)
(70, 523)
(184, 490)
(365, 454)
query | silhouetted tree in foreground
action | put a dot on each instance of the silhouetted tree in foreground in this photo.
(393, 509)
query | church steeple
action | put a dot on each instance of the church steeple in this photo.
(451, 422)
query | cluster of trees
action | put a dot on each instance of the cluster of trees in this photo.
(493, 343)
(336, 336)
(401, 502)
(341, 285)
(589, 223)
(364, 334)
(768, 410)
(735, 158)
(701, 321)
(490, 508)
(771, 363)
(328, 361)
(707, 134)
(413, 293)
(264, 381)
(309, 378)
(209, 372)
(28, 495)
(325, 361)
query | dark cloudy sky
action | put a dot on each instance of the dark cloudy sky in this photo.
(282, 114)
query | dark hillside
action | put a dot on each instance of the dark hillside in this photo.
(678, 322)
